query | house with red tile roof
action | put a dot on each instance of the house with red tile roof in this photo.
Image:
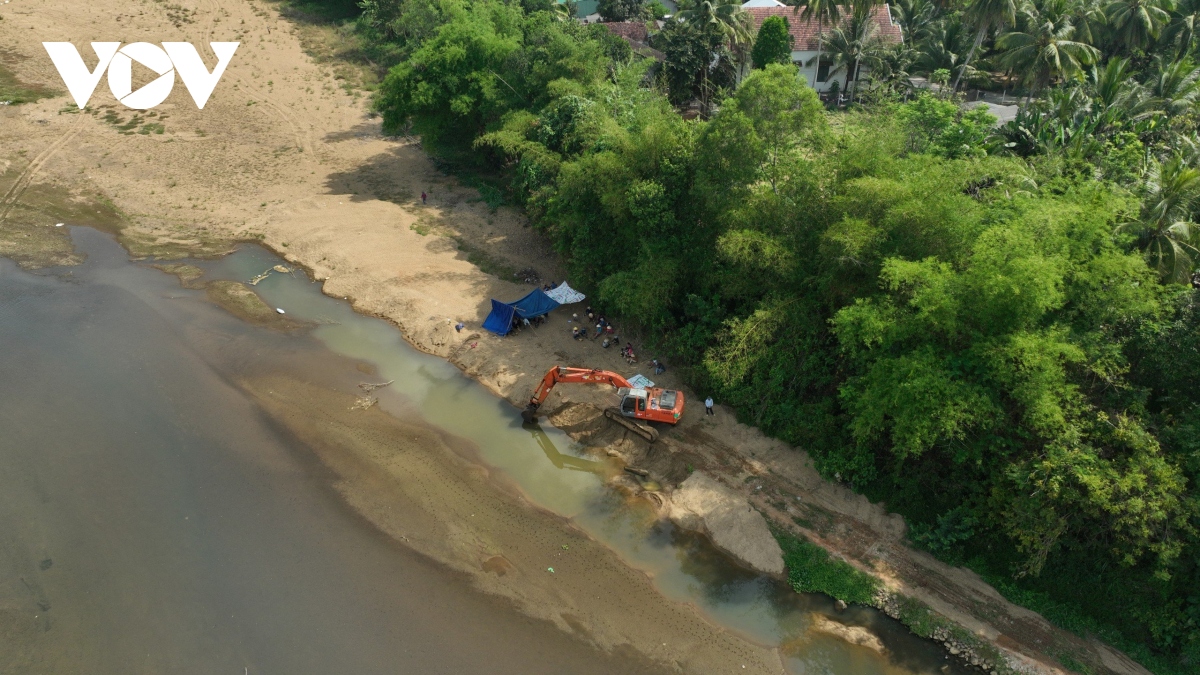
(804, 40)
(634, 32)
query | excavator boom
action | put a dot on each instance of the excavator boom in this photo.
(565, 374)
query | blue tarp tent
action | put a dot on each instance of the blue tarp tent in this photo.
(500, 320)
(536, 303)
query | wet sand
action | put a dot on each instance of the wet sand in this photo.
(153, 520)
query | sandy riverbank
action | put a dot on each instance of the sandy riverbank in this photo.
(283, 155)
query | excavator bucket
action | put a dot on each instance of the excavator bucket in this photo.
(529, 415)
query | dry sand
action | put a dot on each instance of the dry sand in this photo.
(283, 155)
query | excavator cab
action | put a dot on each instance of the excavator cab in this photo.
(633, 401)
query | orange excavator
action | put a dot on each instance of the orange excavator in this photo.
(652, 404)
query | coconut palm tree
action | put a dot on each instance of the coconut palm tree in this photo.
(892, 67)
(917, 18)
(726, 16)
(1174, 85)
(1117, 98)
(726, 19)
(1136, 23)
(824, 11)
(565, 11)
(1090, 20)
(1043, 48)
(985, 15)
(945, 47)
(848, 44)
(1181, 29)
(1164, 229)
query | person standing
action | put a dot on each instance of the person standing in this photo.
(423, 196)
(708, 406)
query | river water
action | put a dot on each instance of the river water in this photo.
(152, 520)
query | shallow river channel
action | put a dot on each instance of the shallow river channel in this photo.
(154, 520)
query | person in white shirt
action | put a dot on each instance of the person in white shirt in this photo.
(708, 406)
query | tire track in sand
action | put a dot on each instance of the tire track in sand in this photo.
(302, 136)
(26, 178)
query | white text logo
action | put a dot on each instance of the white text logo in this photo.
(167, 60)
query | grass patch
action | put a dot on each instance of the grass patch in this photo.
(178, 15)
(810, 569)
(127, 127)
(239, 300)
(486, 263)
(327, 34)
(15, 92)
(926, 623)
(920, 619)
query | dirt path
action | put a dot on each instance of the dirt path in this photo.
(284, 155)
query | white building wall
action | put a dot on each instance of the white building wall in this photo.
(809, 73)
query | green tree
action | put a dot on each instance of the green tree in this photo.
(1181, 29)
(917, 18)
(698, 62)
(985, 15)
(945, 47)
(824, 11)
(959, 334)
(773, 44)
(852, 42)
(1136, 23)
(941, 127)
(621, 10)
(1165, 229)
(451, 87)
(774, 113)
(1043, 47)
(1174, 86)
(724, 16)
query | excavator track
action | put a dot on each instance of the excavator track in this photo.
(647, 432)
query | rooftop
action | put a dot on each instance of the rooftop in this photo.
(632, 31)
(804, 33)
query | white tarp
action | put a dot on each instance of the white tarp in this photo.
(640, 381)
(565, 295)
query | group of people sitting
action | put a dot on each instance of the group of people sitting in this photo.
(519, 322)
(611, 339)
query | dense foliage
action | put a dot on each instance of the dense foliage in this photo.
(773, 44)
(990, 328)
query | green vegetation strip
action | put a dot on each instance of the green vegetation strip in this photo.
(810, 569)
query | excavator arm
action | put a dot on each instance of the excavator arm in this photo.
(583, 375)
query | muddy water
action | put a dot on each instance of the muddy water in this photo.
(152, 520)
(552, 472)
